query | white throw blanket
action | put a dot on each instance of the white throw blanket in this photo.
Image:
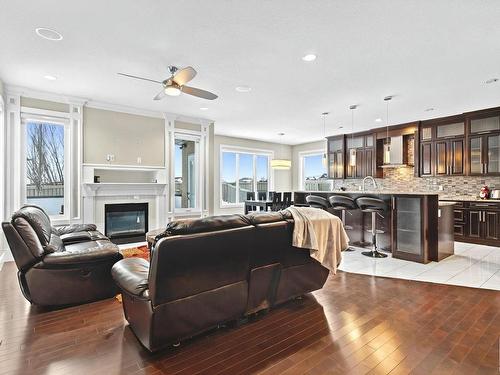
(320, 232)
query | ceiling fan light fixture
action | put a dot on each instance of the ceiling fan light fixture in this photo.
(172, 90)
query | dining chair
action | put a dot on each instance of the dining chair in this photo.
(287, 200)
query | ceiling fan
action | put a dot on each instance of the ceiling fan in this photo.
(176, 83)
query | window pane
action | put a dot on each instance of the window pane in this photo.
(45, 166)
(246, 176)
(228, 177)
(185, 162)
(262, 174)
(315, 173)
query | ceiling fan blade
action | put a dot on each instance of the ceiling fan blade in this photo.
(160, 95)
(198, 92)
(183, 76)
(136, 77)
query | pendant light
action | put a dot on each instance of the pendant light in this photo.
(325, 160)
(387, 141)
(281, 163)
(352, 151)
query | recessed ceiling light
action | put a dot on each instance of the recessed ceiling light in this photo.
(243, 88)
(429, 109)
(203, 108)
(309, 57)
(50, 78)
(491, 80)
(49, 34)
(378, 120)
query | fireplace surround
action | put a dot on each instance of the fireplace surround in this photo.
(126, 222)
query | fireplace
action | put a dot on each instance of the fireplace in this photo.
(126, 222)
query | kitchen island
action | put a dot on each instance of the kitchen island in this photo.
(415, 226)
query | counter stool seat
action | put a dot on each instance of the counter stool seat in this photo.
(317, 202)
(375, 207)
(343, 204)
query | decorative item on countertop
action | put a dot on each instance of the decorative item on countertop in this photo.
(495, 194)
(484, 193)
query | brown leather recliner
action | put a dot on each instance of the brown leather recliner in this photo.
(60, 265)
(208, 271)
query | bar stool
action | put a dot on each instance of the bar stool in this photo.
(376, 207)
(317, 202)
(287, 199)
(343, 204)
(251, 197)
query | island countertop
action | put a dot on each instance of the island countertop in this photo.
(408, 227)
(368, 192)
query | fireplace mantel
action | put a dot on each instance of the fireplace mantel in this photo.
(119, 188)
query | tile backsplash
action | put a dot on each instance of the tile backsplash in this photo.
(453, 187)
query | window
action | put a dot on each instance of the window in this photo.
(45, 145)
(186, 162)
(314, 176)
(243, 172)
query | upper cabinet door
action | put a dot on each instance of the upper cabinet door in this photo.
(426, 155)
(456, 129)
(441, 158)
(485, 125)
(476, 164)
(457, 157)
(493, 154)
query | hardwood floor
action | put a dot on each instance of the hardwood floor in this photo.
(357, 324)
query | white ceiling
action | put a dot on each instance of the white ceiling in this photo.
(428, 53)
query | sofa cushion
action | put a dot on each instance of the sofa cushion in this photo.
(82, 253)
(206, 224)
(257, 218)
(38, 220)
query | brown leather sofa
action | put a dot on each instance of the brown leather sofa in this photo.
(211, 270)
(60, 265)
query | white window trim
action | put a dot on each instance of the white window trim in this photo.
(302, 155)
(245, 150)
(194, 136)
(65, 122)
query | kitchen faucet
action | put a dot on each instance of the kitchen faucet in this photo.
(373, 181)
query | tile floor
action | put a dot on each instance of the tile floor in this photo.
(476, 266)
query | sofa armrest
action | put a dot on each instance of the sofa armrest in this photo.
(65, 229)
(131, 275)
(75, 237)
(82, 255)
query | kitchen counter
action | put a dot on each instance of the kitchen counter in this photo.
(367, 192)
(416, 226)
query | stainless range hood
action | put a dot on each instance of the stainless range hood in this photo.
(394, 155)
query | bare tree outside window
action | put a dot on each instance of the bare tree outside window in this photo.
(45, 166)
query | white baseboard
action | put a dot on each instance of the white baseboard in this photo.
(2, 257)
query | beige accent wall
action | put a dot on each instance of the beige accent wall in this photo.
(44, 104)
(124, 135)
(296, 150)
(282, 178)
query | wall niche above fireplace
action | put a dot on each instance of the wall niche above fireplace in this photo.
(126, 222)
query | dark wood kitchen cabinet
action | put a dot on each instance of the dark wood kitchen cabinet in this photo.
(484, 143)
(414, 231)
(335, 152)
(442, 147)
(484, 155)
(477, 222)
(449, 156)
(360, 147)
(426, 159)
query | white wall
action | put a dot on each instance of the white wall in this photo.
(3, 243)
(296, 150)
(282, 179)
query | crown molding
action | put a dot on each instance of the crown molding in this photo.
(43, 95)
(145, 112)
